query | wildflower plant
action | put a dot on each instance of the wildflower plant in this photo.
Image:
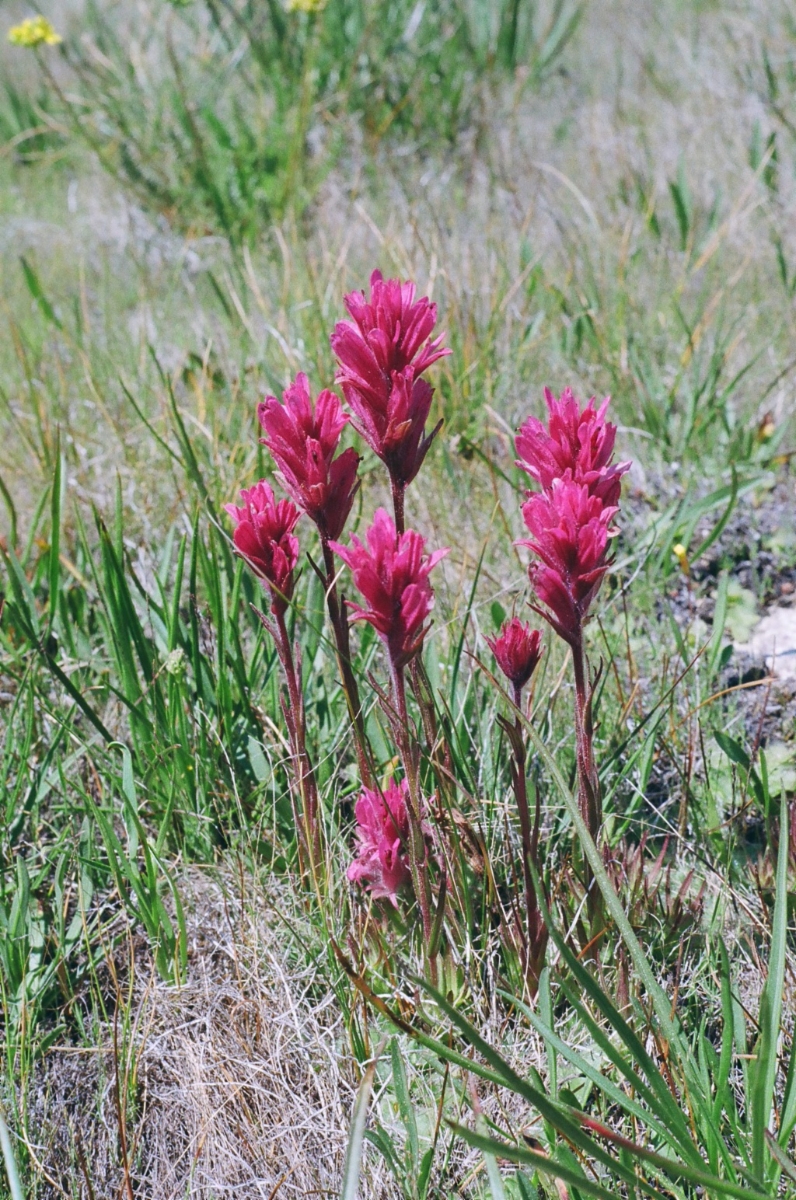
(517, 650)
(264, 538)
(571, 523)
(410, 833)
(381, 861)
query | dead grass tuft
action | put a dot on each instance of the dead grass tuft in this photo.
(238, 1082)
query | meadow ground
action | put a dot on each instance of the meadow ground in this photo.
(605, 200)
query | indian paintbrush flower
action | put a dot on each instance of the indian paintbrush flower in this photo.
(517, 649)
(570, 532)
(396, 430)
(392, 574)
(575, 444)
(303, 440)
(264, 537)
(390, 332)
(382, 352)
(570, 522)
(382, 862)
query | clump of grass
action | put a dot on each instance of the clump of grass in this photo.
(223, 117)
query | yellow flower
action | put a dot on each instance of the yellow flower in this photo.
(305, 6)
(681, 554)
(35, 31)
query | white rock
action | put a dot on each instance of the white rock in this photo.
(774, 639)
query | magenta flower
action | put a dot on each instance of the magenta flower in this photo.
(390, 332)
(576, 444)
(517, 649)
(264, 537)
(570, 530)
(395, 431)
(392, 575)
(382, 352)
(382, 861)
(303, 443)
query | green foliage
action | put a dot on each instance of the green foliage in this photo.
(219, 137)
(723, 1147)
(29, 130)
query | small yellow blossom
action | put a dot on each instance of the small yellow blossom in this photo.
(681, 554)
(305, 6)
(35, 31)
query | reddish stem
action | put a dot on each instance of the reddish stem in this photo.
(398, 494)
(339, 625)
(588, 782)
(295, 719)
(418, 857)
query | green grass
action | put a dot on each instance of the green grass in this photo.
(617, 217)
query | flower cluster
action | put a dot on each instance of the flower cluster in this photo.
(517, 649)
(303, 441)
(570, 520)
(575, 444)
(264, 537)
(392, 574)
(33, 31)
(382, 352)
(382, 861)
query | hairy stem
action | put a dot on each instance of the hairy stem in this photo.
(398, 494)
(588, 782)
(418, 858)
(295, 719)
(348, 679)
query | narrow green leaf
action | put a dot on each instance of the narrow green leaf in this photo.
(401, 1088)
(54, 564)
(356, 1137)
(674, 1170)
(781, 1158)
(14, 1185)
(543, 1164)
(492, 1171)
(764, 1071)
(37, 292)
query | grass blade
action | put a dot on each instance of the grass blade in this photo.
(765, 1067)
(356, 1137)
(14, 1186)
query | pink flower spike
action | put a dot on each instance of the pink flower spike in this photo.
(390, 332)
(382, 352)
(396, 432)
(303, 442)
(575, 444)
(382, 863)
(264, 537)
(392, 574)
(570, 531)
(517, 649)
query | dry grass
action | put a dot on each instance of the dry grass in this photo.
(240, 1082)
